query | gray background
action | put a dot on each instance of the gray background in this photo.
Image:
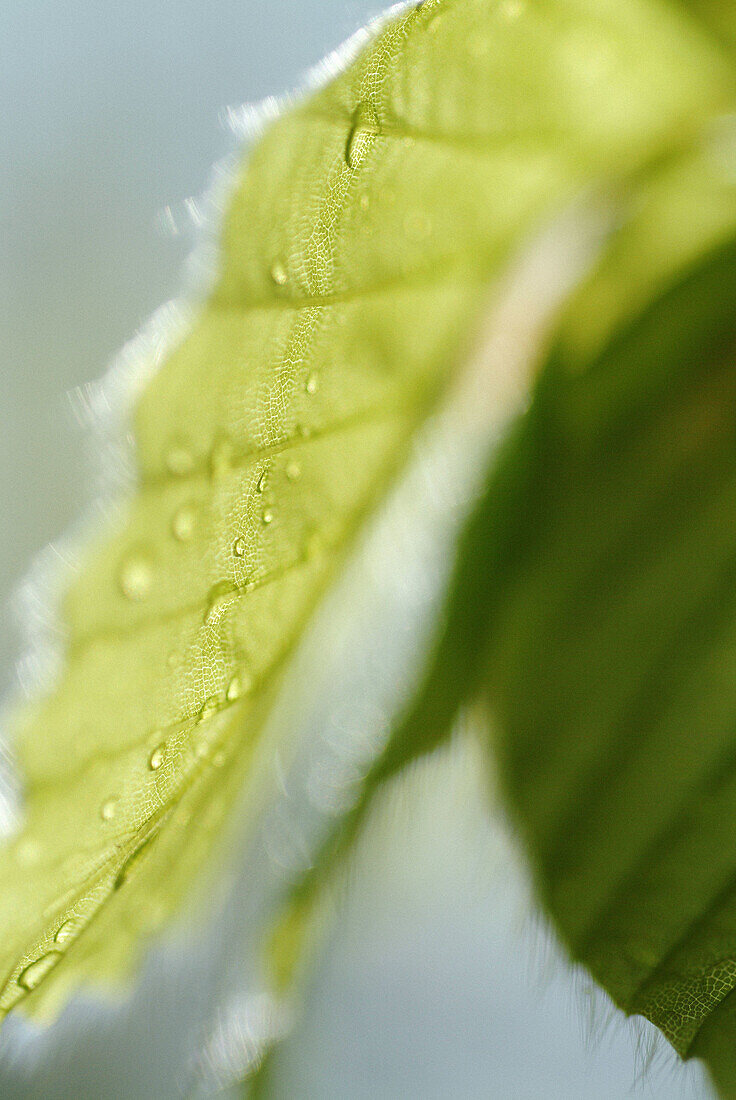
(435, 986)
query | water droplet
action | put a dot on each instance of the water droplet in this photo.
(218, 759)
(65, 931)
(261, 483)
(267, 517)
(182, 524)
(132, 861)
(208, 709)
(136, 577)
(239, 547)
(312, 384)
(239, 685)
(293, 471)
(156, 758)
(179, 460)
(220, 597)
(279, 274)
(363, 132)
(108, 809)
(33, 974)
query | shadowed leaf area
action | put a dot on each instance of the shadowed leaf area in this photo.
(612, 666)
(603, 557)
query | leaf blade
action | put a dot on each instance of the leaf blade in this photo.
(616, 763)
(268, 433)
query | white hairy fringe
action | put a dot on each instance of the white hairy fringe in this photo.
(601, 1023)
(102, 410)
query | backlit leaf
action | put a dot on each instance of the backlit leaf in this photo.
(357, 250)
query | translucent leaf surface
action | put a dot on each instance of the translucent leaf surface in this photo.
(357, 250)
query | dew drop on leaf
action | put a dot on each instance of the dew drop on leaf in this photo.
(363, 132)
(108, 809)
(311, 384)
(208, 709)
(220, 596)
(279, 273)
(239, 547)
(132, 860)
(65, 931)
(267, 517)
(136, 577)
(239, 685)
(33, 974)
(293, 471)
(261, 483)
(156, 758)
(182, 524)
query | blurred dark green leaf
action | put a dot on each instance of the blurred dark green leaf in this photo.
(595, 606)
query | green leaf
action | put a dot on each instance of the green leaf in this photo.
(608, 657)
(719, 15)
(507, 574)
(684, 209)
(357, 250)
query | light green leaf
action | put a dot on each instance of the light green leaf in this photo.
(357, 250)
